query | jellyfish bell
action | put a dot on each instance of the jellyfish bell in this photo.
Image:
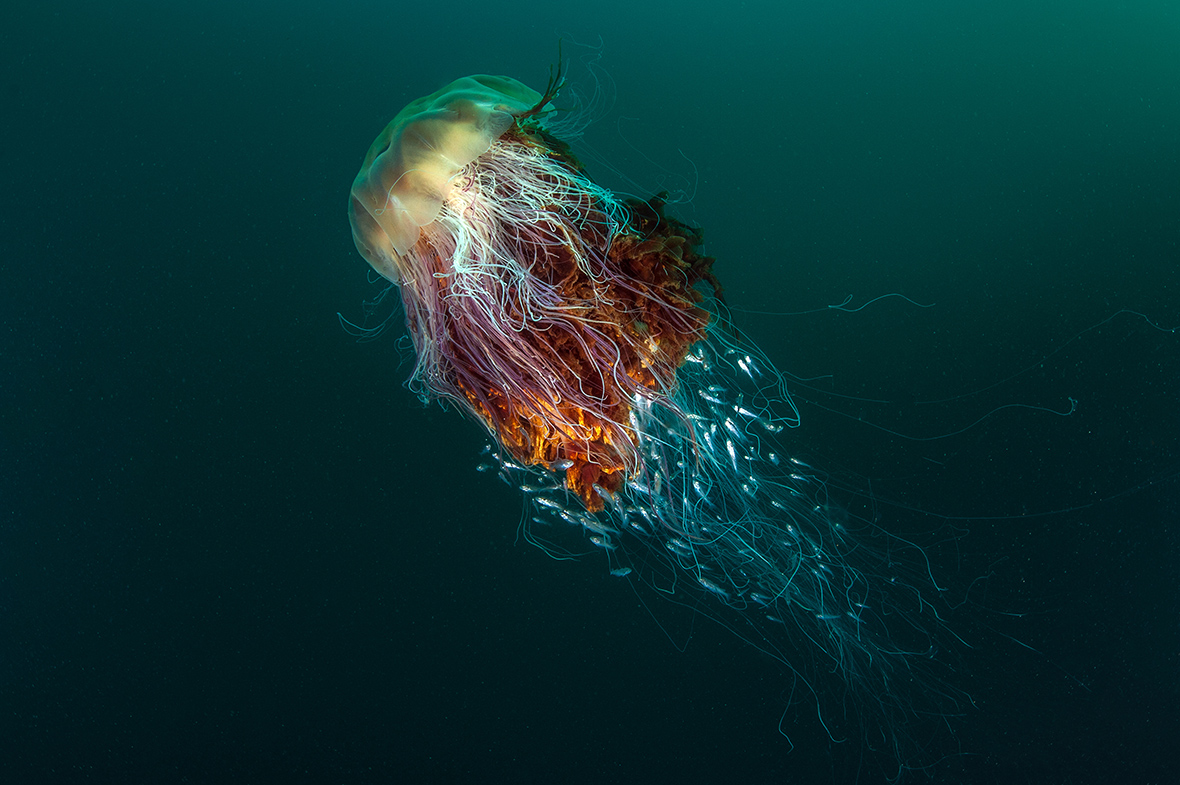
(409, 170)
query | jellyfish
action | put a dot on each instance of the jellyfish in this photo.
(587, 332)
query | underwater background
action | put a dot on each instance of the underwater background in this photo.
(233, 548)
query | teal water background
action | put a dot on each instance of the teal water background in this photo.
(234, 549)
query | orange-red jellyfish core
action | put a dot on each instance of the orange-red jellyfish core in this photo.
(651, 308)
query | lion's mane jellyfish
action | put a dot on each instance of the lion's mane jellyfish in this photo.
(586, 332)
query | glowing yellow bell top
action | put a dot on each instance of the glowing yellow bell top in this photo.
(408, 171)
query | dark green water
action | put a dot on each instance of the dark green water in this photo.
(234, 549)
